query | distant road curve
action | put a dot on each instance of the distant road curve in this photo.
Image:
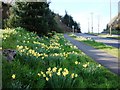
(107, 41)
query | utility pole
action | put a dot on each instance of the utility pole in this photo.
(88, 26)
(110, 19)
(73, 28)
(98, 23)
(92, 22)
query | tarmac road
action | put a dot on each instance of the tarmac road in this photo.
(110, 62)
(107, 41)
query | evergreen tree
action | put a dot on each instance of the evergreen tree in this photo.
(68, 20)
(33, 16)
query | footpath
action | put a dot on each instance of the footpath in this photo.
(110, 62)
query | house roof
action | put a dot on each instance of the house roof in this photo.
(114, 21)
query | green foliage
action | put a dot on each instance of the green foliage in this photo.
(98, 45)
(68, 20)
(38, 66)
(33, 16)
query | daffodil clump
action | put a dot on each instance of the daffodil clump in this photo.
(58, 77)
(7, 33)
(56, 71)
(30, 52)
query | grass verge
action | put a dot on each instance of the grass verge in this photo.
(43, 62)
(109, 49)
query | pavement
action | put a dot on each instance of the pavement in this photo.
(107, 41)
(110, 62)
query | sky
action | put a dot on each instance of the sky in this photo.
(81, 11)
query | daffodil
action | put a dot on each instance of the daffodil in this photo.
(42, 57)
(42, 72)
(47, 78)
(85, 65)
(39, 74)
(44, 75)
(49, 69)
(50, 75)
(58, 73)
(76, 75)
(48, 72)
(38, 54)
(65, 69)
(64, 73)
(99, 65)
(54, 69)
(72, 75)
(60, 69)
(76, 62)
(13, 76)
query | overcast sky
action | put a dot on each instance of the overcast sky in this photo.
(81, 11)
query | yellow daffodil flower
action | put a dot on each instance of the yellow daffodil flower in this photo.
(58, 73)
(47, 78)
(85, 65)
(60, 69)
(64, 73)
(39, 74)
(49, 69)
(42, 72)
(76, 62)
(72, 75)
(54, 69)
(99, 65)
(42, 57)
(48, 72)
(76, 75)
(50, 75)
(44, 75)
(13, 76)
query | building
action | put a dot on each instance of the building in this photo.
(115, 22)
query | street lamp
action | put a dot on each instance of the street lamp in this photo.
(92, 22)
(73, 28)
(88, 26)
(98, 23)
(110, 19)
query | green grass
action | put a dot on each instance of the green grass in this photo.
(0, 59)
(109, 49)
(51, 63)
(118, 38)
(110, 36)
(0, 69)
(0, 39)
(106, 35)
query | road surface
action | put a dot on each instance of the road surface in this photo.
(107, 41)
(110, 62)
